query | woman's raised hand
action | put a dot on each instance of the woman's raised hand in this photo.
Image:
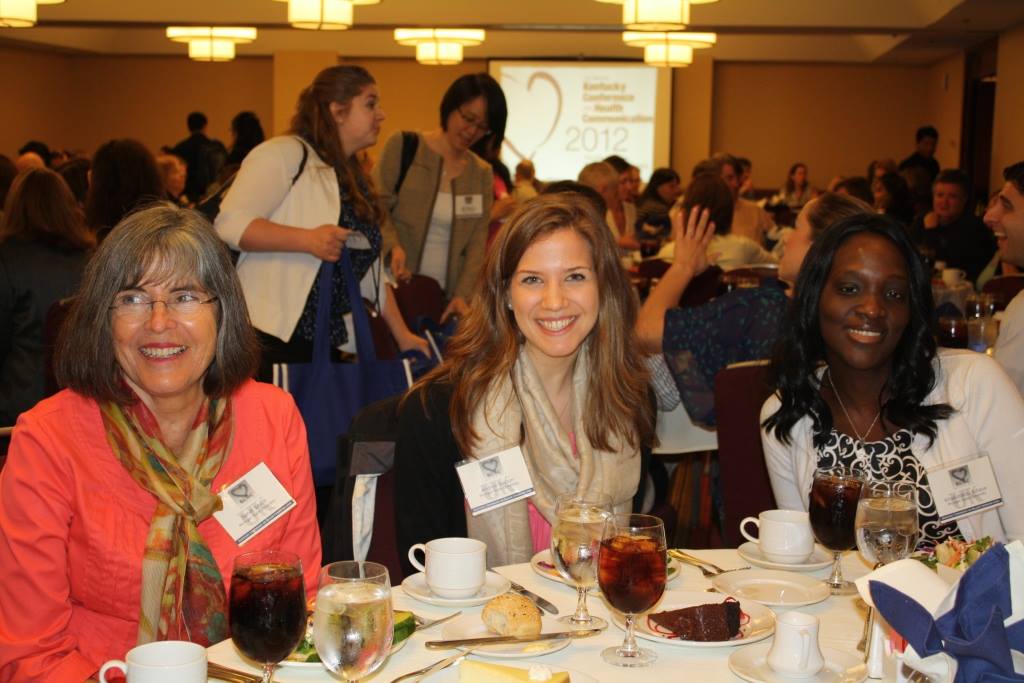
(326, 242)
(692, 238)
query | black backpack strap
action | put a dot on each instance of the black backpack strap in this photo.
(302, 164)
(410, 142)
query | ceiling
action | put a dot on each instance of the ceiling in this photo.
(850, 31)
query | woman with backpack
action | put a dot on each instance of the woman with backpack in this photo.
(297, 201)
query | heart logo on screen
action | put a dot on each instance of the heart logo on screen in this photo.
(545, 102)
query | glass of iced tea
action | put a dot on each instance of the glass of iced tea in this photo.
(575, 539)
(833, 512)
(353, 623)
(631, 573)
(267, 609)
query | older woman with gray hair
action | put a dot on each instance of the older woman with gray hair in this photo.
(107, 529)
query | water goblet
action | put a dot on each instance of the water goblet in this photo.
(575, 540)
(887, 521)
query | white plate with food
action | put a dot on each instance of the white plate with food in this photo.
(487, 672)
(676, 622)
(819, 559)
(473, 626)
(300, 658)
(750, 664)
(415, 586)
(772, 587)
(542, 565)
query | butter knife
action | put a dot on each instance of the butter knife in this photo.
(539, 601)
(499, 640)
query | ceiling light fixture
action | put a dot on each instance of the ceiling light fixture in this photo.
(437, 46)
(17, 13)
(211, 43)
(322, 15)
(655, 15)
(671, 49)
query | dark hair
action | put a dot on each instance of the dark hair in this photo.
(40, 207)
(801, 348)
(1014, 173)
(124, 175)
(469, 87)
(659, 177)
(790, 185)
(7, 173)
(710, 192)
(743, 163)
(40, 148)
(831, 207)
(314, 123)
(161, 243)
(713, 165)
(926, 132)
(955, 176)
(486, 344)
(859, 187)
(618, 163)
(587, 192)
(76, 174)
(901, 206)
(248, 133)
(196, 121)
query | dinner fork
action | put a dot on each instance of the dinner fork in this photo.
(708, 574)
(684, 556)
(422, 623)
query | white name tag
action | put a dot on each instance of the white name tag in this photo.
(964, 488)
(495, 481)
(252, 503)
(469, 205)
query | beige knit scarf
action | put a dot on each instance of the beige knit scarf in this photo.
(520, 401)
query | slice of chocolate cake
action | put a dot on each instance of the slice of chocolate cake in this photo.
(719, 621)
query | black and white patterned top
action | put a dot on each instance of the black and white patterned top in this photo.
(891, 459)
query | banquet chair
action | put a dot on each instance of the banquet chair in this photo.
(1005, 287)
(702, 288)
(420, 297)
(652, 268)
(740, 390)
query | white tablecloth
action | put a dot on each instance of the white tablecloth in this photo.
(842, 622)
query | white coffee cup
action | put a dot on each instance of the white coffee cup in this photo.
(167, 661)
(454, 567)
(784, 536)
(795, 651)
(953, 276)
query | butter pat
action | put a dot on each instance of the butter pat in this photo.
(472, 671)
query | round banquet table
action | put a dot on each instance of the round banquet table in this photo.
(842, 623)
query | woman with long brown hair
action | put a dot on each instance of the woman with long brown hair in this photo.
(297, 201)
(44, 246)
(546, 361)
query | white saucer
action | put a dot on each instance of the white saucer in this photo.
(451, 674)
(819, 559)
(415, 586)
(542, 565)
(749, 663)
(760, 625)
(472, 626)
(772, 587)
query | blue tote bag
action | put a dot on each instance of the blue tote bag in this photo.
(329, 394)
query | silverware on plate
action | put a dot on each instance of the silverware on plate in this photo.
(433, 668)
(684, 556)
(499, 640)
(544, 604)
(422, 623)
(222, 673)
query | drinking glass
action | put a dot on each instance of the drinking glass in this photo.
(267, 609)
(575, 539)
(353, 623)
(631, 573)
(833, 510)
(887, 521)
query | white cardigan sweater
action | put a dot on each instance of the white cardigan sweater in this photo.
(989, 418)
(276, 284)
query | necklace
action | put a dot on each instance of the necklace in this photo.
(853, 426)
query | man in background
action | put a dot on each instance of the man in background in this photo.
(748, 219)
(604, 179)
(951, 229)
(203, 157)
(927, 138)
(1006, 219)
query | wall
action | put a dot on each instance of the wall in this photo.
(1007, 126)
(835, 118)
(692, 102)
(35, 86)
(944, 106)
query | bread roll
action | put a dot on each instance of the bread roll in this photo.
(511, 614)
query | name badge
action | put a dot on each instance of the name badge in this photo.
(495, 481)
(469, 205)
(963, 488)
(252, 503)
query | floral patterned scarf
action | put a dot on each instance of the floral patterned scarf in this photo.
(183, 595)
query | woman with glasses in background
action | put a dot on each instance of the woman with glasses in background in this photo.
(437, 193)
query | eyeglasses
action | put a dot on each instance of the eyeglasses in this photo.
(474, 122)
(137, 307)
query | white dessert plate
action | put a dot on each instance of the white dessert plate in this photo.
(451, 674)
(415, 586)
(541, 564)
(760, 622)
(772, 587)
(750, 664)
(473, 626)
(319, 665)
(819, 559)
